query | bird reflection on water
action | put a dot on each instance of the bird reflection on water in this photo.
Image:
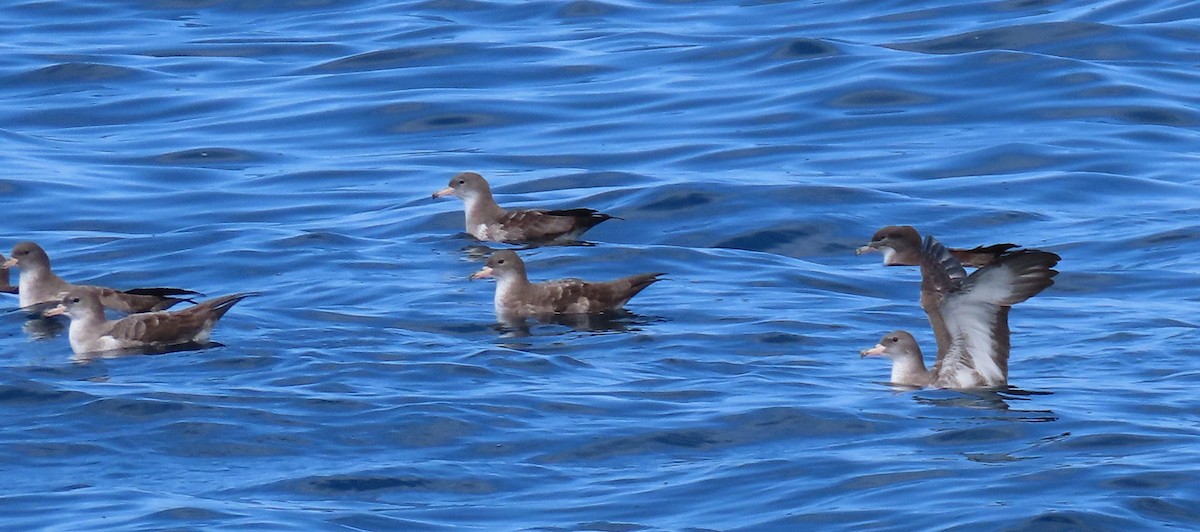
(613, 321)
(84, 358)
(39, 328)
(994, 399)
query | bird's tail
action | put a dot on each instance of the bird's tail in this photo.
(220, 305)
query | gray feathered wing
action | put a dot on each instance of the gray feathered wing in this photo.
(972, 312)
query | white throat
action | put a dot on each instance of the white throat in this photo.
(78, 333)
(508, 297)
(889, 254)
(910, 371)
(27, 287)
(506, 293)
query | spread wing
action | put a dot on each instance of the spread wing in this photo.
(1018, 276)
(980, 256)
(960, 325)
(975, 316)
(941, 275)
(940, 271)
(977, 354)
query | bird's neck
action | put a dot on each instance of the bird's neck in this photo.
(29, 283)
(910, 371)
(509, 289)
(481, 209)
(891, 257)
(80, 324)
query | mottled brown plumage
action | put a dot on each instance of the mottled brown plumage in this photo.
(901, 246)
(516, 297)
(40, 287)
(485, 220)
(969, 316)
(91, 332)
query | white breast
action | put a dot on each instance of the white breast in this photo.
(479, 231)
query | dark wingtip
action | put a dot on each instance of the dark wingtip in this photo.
(640, 281)
(594, 219)
(582, 213)
(981, 256)
(994, 248)
(1034, 270)
(232, 298)
(163, 292)
(647, 279)
(1049, 259)
(222, 304)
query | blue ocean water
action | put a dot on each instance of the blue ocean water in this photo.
(291, 148)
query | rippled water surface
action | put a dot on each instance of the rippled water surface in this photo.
(291, 148)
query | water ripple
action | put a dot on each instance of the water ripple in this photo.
(748, 150)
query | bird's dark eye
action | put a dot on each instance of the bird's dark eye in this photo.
(895, 338)
(501, 261)
(75, 300)
(462, 181)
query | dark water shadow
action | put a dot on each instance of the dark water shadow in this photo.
(39, 327)
(991, 399)
(84, 358)
(35, 311)
(480, 251)
(613, 321)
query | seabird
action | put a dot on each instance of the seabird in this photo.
(901, 246)
(91, 332)
(516, 297)
(5, 283)
(39, 286)
(487, 221)
(969, 316)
